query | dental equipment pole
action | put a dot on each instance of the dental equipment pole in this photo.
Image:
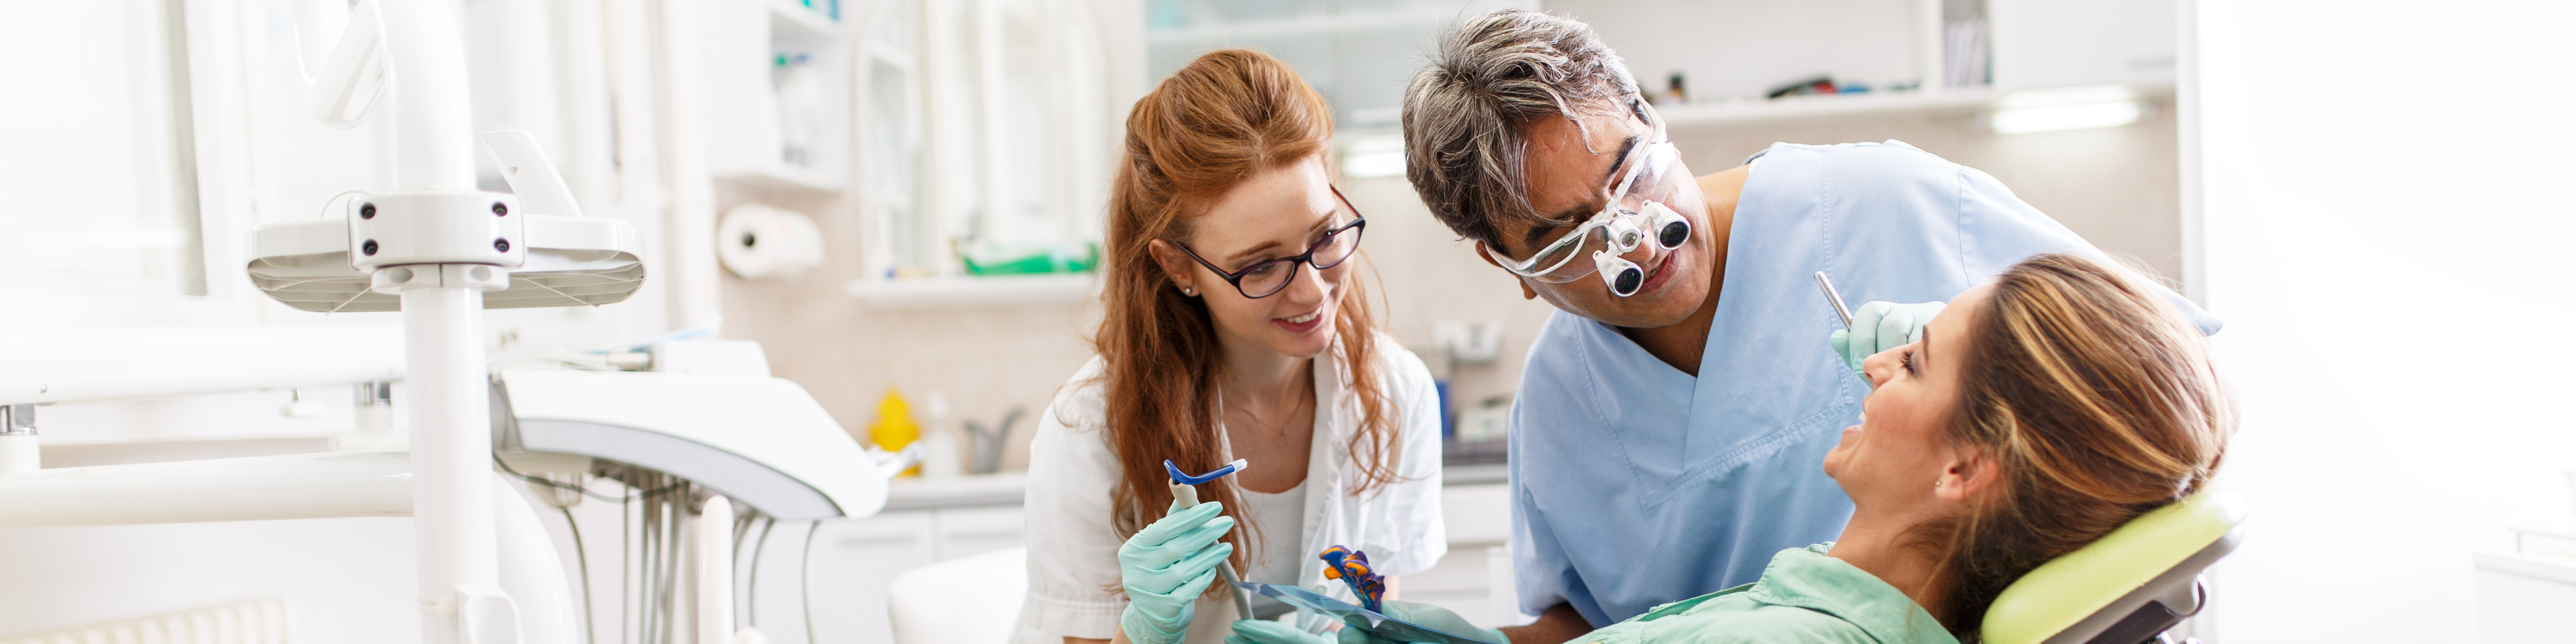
(712, 573)
(435, 212)
(18, 450)
(1185, 494)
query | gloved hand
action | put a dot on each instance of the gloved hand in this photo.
(1426, 616)
(1879, 326)
(1166, 566)
(1262, 631)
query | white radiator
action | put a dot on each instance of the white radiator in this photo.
(257, 621)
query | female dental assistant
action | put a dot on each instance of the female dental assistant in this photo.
(1235, 326)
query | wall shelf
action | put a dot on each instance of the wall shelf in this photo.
(1755, 110)
(935, 292)
(788, 178)
(1744, 110)
(1304, 26)
(809, 19)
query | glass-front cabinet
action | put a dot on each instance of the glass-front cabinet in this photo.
(985, 146)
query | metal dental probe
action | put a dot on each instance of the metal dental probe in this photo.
(1835, 297)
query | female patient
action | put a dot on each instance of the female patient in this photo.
(2035, 415)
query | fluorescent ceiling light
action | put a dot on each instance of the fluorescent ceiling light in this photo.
(138, 238)
(1370, 157)
(2066, 108)
(1373, 165)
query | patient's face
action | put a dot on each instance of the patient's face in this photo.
(1893, 457)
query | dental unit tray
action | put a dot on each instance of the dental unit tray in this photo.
(1357, 617)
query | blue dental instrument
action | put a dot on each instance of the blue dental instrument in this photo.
(1185, 496)
(1185, 479)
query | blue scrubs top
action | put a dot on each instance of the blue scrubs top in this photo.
(1635, 485)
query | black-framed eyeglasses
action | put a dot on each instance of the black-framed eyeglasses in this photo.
(1271, 276)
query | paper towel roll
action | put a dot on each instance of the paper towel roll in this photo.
(757, 241)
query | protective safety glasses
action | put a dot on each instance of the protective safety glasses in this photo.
(1634, 217)
(1268, 277)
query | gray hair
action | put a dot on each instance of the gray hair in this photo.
(1463, 113)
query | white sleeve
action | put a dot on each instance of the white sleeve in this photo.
(1073, 546)
(1421, 535)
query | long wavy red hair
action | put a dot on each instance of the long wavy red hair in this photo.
(1225, 117)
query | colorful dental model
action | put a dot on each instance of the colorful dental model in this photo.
(1352, 567)
(1185, 495)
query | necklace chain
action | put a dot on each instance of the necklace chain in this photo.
(1305, 397)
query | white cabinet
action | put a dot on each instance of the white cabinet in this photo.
(855, 561)
(961, 532)
(1359, 55)
(777, 94)
(1006, 171)
(2061, 43)
(1478, 515)
(1475, 579)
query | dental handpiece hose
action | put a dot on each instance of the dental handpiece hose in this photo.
(1185, 494)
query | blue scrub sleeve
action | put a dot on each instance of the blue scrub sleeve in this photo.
(1542, 576)
(1997, 229)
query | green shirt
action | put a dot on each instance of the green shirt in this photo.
(1803, 596)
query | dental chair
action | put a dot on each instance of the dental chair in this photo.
(968, 600)
(2126, 588)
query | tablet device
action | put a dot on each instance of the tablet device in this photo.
(1356, 617)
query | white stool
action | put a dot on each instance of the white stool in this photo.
(967, 600)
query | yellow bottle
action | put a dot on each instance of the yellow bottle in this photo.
(894, 429)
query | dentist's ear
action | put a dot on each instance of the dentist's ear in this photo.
(1174, 265)
(1527, 293)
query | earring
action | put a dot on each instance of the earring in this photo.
(1937, 482)
(1189, 291)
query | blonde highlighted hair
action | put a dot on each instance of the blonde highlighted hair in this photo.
(2097, 402)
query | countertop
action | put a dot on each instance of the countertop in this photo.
(1007, 488)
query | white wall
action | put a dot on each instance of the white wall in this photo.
(2385, 229)
(349, 580)
(1743, 48)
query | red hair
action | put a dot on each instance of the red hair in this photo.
(1227, 116)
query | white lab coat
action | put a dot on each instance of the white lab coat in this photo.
(1073, 543)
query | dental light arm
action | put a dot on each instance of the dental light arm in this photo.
(431, 248)
(347, 83)
(540, 188)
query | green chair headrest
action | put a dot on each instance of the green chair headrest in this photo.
(2066, 590)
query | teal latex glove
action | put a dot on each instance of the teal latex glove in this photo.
(1262, 631)
(1426, 616)
(1166, 566)
(1879, 326)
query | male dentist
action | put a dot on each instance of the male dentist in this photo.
(1673, 413)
